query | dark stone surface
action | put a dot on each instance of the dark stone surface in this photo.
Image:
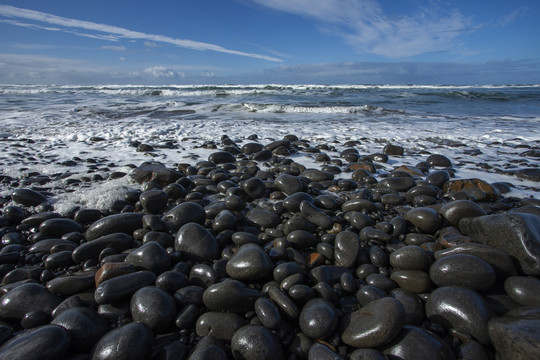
(132, 341)
(220, 325)
(416, 343)
(28, 197)
(150, 256)
(25, 298)
(84, 326)
(230, 296)
(256, 343)
(525, 290)
(49, 342)
(154, 307)
(196, 243)
(463, 270)
(118, 223)
(318, 319)
(186, 212)
(122, 287)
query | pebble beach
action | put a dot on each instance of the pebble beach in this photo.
(269, 222)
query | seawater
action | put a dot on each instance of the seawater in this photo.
(483, 129)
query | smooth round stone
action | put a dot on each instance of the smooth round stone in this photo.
(164, 239)
(119, 223)
(92, 249)
(49, 342)
(380, 281)
(230, 296)
(209, 347)
(241, 237)
(286, 305)
(301, 239)
(416, 281)
(301, 293)
(391, 149)
(358, 205)
(171, 281)
(456, 210)
(151, 256)
(438, 178)
(375, 324)
(501, 262)
(378, 256)
(267, 313)
(196, 243)
(175, 191)
(460, 307)
(35, 220)
(416, 343)
(367, 354)
(399, 183)
(288, 184)
(286, 269)
(368, 293)
(250, 263)
(221, 157)
(59, 260)
(463, 270)
(59, 226)
(292, 202)
(315, 215)
(28, 197)
(256, 342)
(184, 213)
(410, 257)
(318, 319)
(219, 324)
(123, 287)
(153, 200)
(112, 269)
(255, 188)
(318, 351)
(414, 308)
(202, 275)
(437, 160)
(251, 148)
(329, 274)
(424, 219)
(234, 203)
(25, 298)
(263, 218)
(14, 214)
(225, 220)
(71, 284)
(133, 341)
(85, 327)
(515, 335)
(153, 307)
(346, 249)
(525, 290)
(359, 220)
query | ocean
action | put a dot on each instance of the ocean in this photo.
(488, 132)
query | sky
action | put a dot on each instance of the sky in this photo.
(270, 41)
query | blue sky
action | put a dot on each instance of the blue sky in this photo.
(270, 41)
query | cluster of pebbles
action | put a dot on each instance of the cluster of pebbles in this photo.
(249, 255)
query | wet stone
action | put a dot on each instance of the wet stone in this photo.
(416, 343)
(288, 184)
(230, 296)
(150, 256)
(525, 290)
(257, 343)
(196, 243)
(263, 218)
(92, 249)
(424, 219)
(84, 326)
(437, 160)
(346, 249)
(25, 298)
(153, 200)
(267, 313)
(463, 270)
(123, 287)
(153, 307)
(250, 263)
(318, 319)
(118, 223)
(131, 341)
(414, 308)
(460, 307)
(410, 257)
(375, 324)
(186, 212)
(456, 210)
(416, 281)
(219, 325)
(112, 269)
(28, 197)
(47, 343)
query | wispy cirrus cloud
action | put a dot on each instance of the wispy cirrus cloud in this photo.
(109, 32)
(365, 25)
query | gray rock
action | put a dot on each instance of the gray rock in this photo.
(437, 160)
(221, 157)
(301, 239)
(516, 234)
(256, 343)
(413, 306)
(375, 324)
(460, 307)
(318, 351)
(516, 335)
(292, 202)
(131, 341)
(400, 183)
(196, 243)
(154, 307)
(118, 223)
(49, 342)
(416, 281)
(71, 284)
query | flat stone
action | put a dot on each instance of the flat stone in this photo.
(460, 307)
(70, 284)
(112, 269)
(267, 313)
(516, 234)
(457, 185)
(131, 341)
(375, 324)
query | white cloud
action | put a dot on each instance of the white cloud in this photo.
(163, 72)
(114, 48)
(513, 16)
(112, 33)
(365, 25)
